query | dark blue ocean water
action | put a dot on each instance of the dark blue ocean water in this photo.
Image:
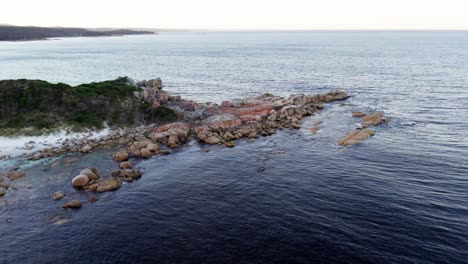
(295, 197)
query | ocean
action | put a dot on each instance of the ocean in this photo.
(294, 197)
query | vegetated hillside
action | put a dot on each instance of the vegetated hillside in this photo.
(40, 106)
(12, 33)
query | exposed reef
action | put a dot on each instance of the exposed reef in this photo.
(362, 133)
(155, 110)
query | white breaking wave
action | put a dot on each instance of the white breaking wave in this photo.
(17, 146)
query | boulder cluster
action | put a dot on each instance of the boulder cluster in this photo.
(7, 179)
(363, 132)
(90, 180)
(207, 122)
(247, 118)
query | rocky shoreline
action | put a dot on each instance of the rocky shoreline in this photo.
(207, 123)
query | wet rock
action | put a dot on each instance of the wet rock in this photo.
(153, 147)
(145, 153)
(72, 204)
(212, 140)
(230, 144)
(80, 181)
(92, 187)
(109, 185)
(356, 136)
(2, 192)
(14, 175)
(92, 173)
(335, 96)
(5, 186)
(58, 196)
(86, 149)
(253, 134)
(126, 165)
(121, 156)
(358, 114)
(173, 140)
(228, 136)
(373, 119)
(127, 173)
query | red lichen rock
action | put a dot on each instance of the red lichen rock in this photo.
(222, 121)
(177, 125)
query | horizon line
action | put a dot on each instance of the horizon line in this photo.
(247, 29)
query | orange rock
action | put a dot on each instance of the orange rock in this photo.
(373, 119)
(121, 156)
(126, 165)
(72, 204)
(355, 137)
(358, 114)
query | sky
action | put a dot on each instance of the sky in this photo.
(240, 14)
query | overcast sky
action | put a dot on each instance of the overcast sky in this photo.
(239, 14)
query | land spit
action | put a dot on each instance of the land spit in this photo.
(208, 123)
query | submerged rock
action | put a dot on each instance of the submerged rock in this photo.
(93, 199)
(58, 196)
(356, 136)
(16, 174)
(72, 204)
(314, 130)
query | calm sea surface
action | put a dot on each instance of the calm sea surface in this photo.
(295, 197)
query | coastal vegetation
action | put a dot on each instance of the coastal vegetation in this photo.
(36, 106)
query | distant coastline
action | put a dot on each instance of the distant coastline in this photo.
(17, 33)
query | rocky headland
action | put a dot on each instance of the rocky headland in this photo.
(18, 33)
(144, 121)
